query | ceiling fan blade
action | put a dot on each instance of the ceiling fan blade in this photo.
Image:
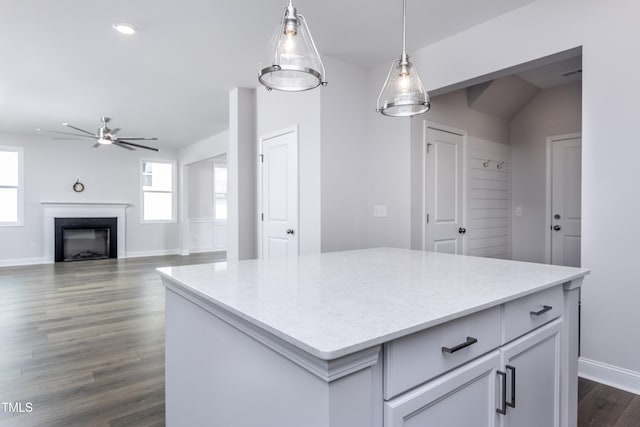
(78, 129)
(114, 131)
(123, 146)
(138, 139)
(135, 145)
(67, 139)
(96, 145)
(69, 133)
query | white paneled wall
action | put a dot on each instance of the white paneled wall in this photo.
(206, 233)
(489, 199)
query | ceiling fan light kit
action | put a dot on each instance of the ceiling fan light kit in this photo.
(403, 94)
(104, 136)
(292, 62)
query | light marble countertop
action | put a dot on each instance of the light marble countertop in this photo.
(334, 304)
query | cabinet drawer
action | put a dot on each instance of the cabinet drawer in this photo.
(463, 397)
(414, 359)
(532, 311)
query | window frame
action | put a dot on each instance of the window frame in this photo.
(19, 187)
(215, 193)
(174, 189)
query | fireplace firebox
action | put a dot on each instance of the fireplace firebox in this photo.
(79, 239)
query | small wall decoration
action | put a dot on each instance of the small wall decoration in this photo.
(78, 187)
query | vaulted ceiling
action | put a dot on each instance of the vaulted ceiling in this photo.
(61, 61)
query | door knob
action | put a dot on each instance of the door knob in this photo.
(291, 231)
(557, 227)
(462, 230)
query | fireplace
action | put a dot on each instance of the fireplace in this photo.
(79, 239)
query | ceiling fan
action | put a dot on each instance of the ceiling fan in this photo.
(105, 136)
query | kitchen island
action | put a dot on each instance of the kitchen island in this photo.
(372, 338)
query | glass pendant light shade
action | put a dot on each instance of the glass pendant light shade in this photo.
(403, 94)
(292, 62)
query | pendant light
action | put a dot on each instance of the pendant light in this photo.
(403, 94)
(292, 62)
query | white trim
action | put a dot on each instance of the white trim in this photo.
(20, 186)
(610, 375)
(270, 135)
(81, 210)
(162, 252)
(465, 143)
(548, 189)
(326, 369)
(13, 262)
(174, 191)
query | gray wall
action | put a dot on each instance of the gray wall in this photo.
(552, 112)
(343, 154)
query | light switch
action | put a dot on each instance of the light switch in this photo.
(380, 211)
(518, 211)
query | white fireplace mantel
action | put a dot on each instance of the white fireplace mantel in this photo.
(54, 210)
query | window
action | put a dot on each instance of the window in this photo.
(11, 186)
(220, 190)
(158, 195)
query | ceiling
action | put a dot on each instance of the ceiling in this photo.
(63, 62)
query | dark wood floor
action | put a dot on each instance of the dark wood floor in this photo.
(83, 343)
(600, 406)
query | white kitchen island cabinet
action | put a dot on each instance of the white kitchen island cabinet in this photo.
(372, 338)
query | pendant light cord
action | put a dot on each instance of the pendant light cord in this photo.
(404, 27)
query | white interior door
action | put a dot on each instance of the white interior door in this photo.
(444, 185)
(566, 190)
(280, 194)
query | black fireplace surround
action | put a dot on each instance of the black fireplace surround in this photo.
(100, 226)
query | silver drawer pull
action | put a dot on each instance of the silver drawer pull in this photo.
(467, 343)
(544, 309)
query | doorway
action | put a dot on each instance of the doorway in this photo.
(564, 188)
(444, 171)
(206, 187)
(279, 194)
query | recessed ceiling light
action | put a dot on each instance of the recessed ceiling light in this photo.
(124, 29)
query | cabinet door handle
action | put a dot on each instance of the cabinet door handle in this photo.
(503, 397)
(513, 386)
(467, 343)
(543, 310)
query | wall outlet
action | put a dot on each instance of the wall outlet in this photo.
(518, 211)
(380, 211)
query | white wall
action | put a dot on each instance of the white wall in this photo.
(280, 110)
(242, 165)
(343, 154)
(206, 233)
(608, 33)
(552, 112)
(453, 109)
(200, 189)
(213, 146)
(110, 174)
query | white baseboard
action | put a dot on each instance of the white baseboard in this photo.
(205, 250)
(610, 375)
(22, 261)
(141, 254)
